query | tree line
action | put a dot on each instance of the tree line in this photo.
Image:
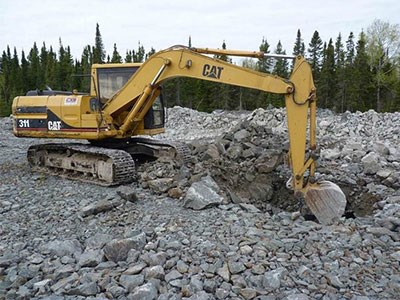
(356, 73)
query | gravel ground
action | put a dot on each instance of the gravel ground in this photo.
(61, 239)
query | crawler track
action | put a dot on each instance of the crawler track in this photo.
(106, 164)
(86, 163)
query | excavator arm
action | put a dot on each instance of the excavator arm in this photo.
(325, 199)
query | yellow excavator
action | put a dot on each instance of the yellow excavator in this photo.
(126, 102)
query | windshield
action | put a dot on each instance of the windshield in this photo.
(112, 79)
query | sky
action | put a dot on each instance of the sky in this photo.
(161, 24)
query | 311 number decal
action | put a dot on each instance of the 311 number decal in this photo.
(23, 123)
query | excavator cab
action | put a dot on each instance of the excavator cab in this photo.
(110, 78)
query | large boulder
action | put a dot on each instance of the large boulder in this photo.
(203, 194)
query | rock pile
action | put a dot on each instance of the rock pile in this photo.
(356, 152)
(61, 239)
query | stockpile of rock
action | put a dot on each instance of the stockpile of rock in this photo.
(246, 160)
(61, 239)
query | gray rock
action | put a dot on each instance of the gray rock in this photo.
(268, 162)
(371, 163)
(98, 240)
(330, 154)
(99, 207)
(212, 153)
(161, 185)
(64, 282)
(203, 194)
(63, 248)
(260, 191)
(224, 272)
(234, 151)
(86, 289)
(136, 269)
(201, 295)
(236, 267)
(248, 293)
(182, 267)
(221, 293)
(130, 282)
(272, 279)
(173, 275)
(117, 250)
(127, 193)
(156, 272)
(116, 291)
(90, 258)
(241, 135)
(144, 292)
(297, 297)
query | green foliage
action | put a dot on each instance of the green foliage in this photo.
(99, 53)
(315, 54)
(116, 58)
(327, 81)
(264, 64)
(299, 47)
(359, 74)
(382, 47)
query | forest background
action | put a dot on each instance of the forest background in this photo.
(352, 73)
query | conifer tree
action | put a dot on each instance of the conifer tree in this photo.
(34, 68)
(299, 47)
(150, 53)
(327, 82)
(15, 76)
(264, 64)
(348, 83)
(24, 73)
(139, 55)
(86, 64)
(128, 56)
(99, 53)
(340, 73)
(363, 78)
(315, 54)
(116, 58)
(51, 69)
(281, 68)
(64, 68)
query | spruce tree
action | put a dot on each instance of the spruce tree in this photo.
(128, 56)
(139, 55)
(116, 58)
(86, 64)
(99, 53)
(64, 68)
(327, 82)
(348, 83)
(315, 54)
(34, 68)
(340, 73)
(299, 47)
(281, 68)
(264, 64)
(363, 77)
(24, 73)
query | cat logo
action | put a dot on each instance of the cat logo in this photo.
(212, 71)
(54, 125)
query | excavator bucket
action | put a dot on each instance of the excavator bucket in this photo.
(326, 201)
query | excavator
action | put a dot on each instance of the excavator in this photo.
(125, 103)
